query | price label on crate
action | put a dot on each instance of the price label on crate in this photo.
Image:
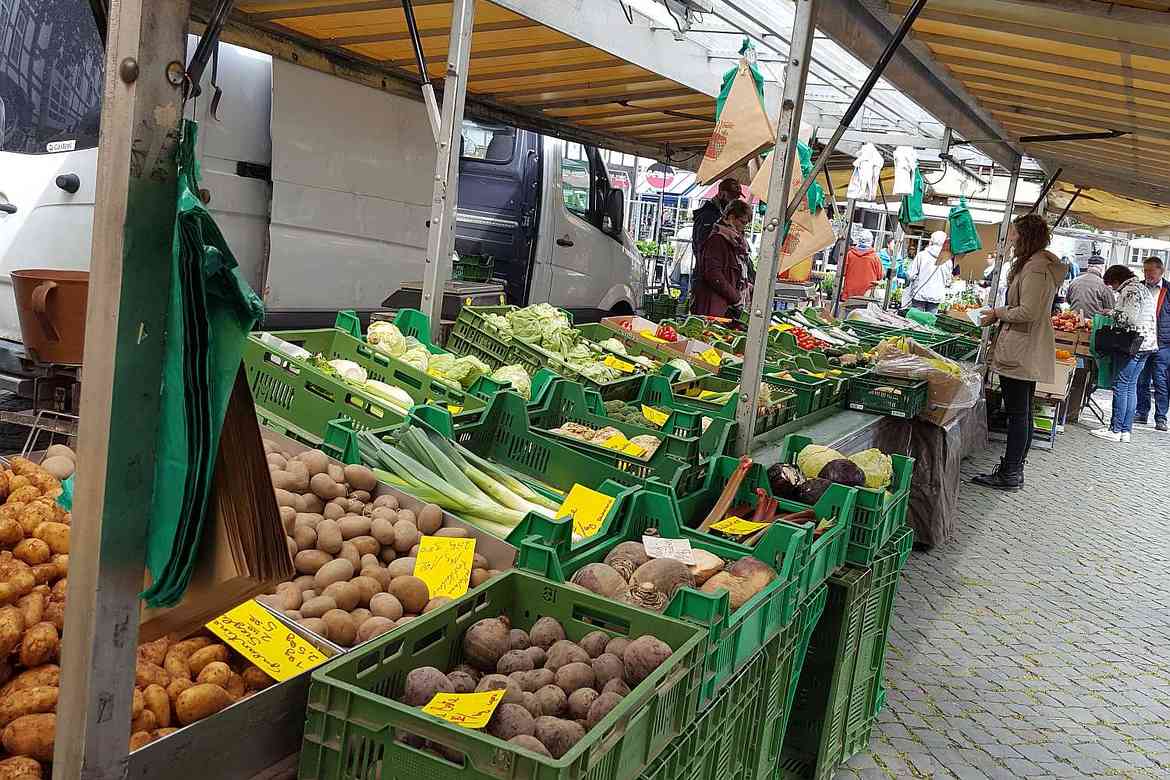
(444, 564)
(622, 444)
(618, 364)
(470, 710)
(709, 355)
(707, 395)
(678, 549)
(587, 508)
(737, 526)
(649, 335)
(454, 408)
(654, 416)
(265, 641)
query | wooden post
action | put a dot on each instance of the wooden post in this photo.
(130, 275)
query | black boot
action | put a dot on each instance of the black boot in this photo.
(1005, 477)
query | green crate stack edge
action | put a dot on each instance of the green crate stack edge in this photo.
(353, 724)
(878, 514)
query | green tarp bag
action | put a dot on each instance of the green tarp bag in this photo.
(911, 212)
(210, 313)
(964, 237)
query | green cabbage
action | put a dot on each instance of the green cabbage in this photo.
(466, 369)
(517, 377)
(349, 370)
(532, 322)
(877, 466)
(387, 338)
(417, 358)
(615, 345)
(440, 364)
(814, 457)
(685, 372)
(501, 324)
(599, 373)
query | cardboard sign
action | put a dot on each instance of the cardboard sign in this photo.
(742, 132)
(470, 710)
(678, 549)
(444, 564)
(737, 526)
(265, 641)
(587, 508)
(654, 416)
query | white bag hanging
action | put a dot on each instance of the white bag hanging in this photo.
(866, 170)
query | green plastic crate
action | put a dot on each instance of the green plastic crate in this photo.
(779, 692)
(473, 268)
(354, 728)
(878, 513)
(814, 740)
(663, 306)
(721, 744)
(782, 410)
(817, 558)
(473, 335)
(735, 637)
(959, 325)
(892, 396)
(634, 347)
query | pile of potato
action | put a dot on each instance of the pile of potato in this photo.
(556, 689)
(354, 552)
(34, 564)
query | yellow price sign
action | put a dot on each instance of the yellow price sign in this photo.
(649, 335)
(737, 526)
(587, 508)
(654, 416)
(258, 636)
(470, 710)
(709, 355)
(705, 395)
(622, 444)
(620, 365)
(444, 564)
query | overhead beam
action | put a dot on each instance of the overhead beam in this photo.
(863, 27)
(296, 9)
(428, 32)
(965, 65)
(482, 53)
(602, 100)
(976, 82)
(1080, 118)
(1114, 12)
(1112, 115)
(824, 134)
(581, 87)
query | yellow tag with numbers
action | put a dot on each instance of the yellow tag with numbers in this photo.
(258, 636)
(737, 526)
(470, 710)
(654, 416)
(620, 365)
(587, 508)
(649, 334)
(709, 355)
(444, 564)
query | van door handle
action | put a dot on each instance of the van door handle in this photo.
(7, 208)
(564, 241)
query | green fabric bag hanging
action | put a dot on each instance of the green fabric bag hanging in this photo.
(911, 212)
(964, 237)
(210, 313)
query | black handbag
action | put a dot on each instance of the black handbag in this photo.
(1113, 339)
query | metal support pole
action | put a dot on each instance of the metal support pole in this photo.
(428, 89)
(842, 251)
(441, 238)
(1047, 188)
(1067, 206)
(859, 99)
(787, 131)
(133, 225)
(1000, 254)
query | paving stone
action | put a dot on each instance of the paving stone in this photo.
(1037, 642)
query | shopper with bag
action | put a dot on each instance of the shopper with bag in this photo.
(1135, 339)
(929, 276)
(863, 269)
(1156, 374)
(721, 281)
(1025, 348)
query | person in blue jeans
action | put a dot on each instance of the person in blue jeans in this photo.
(1135, 312)
(1156, 373)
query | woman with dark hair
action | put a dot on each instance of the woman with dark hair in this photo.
(1025, 348)
(1137, 311)
(721, 274)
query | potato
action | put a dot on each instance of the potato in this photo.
(336, 472)
(34, 551)
(384, 513)
(28, 701)
(401, 567)
(304, 582)
(387, 500)
(406, 534)
(349, 552)
(338, 570)
(452, 531)
(140, 739)
(388, 554)
(155, 652)
(20, 768)
(44, 573)
(309, 595)
(288, 518)
(435, 603)
(295, 614)
(235, 687)
(375, 626)
(292, 481)
(325, 488)
(210, 654)
(179, 655)
(276, 459)
(378, 573)
(305, 538)
(360, 478)
(58, 591)
(31, 735)
(144, 722)
(346, 594)
(310, 561)
(430, 518)
(11, 629)
(479, 577)
(316, 625)
(340, 626)
(411, 592)
(386, 605)
(255, 678)
(329, 537)
(24, 495)
(360, 495)
(370, 561)
(382, 529)
(414, 551)
(353, 526)
(317, 606)
(60, 450)
(11, 531)
(176, 687)
(216, 673)
(195, 703)
(156, 700)
(333, 511)
(49, 674)
(145, 673)
(316, 462)
(32, 606)
(310, 519)
(18, 583)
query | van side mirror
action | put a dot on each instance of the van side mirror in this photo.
(613, 217)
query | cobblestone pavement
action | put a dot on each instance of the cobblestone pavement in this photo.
(1037, 643)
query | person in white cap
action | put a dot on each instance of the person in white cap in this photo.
(929, 277)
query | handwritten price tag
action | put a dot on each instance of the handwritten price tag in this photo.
(470, 710)
(710, 356)
(678, 549)
(622, 444)
(649, 336)
(587, 508)
(444, 564)
(654, 416)
(737, 526)
(265, 641)
(620, 365)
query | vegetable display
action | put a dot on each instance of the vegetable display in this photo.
(556, 690)
(644, 446)
(632, 413)
(1070, 322)
(354, 552)
(870, 468)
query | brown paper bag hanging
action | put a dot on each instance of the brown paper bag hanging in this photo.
(808, 234)
(742, 132)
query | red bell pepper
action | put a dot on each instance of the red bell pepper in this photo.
(666, 333)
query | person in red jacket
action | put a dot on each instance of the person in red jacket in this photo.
(863, 269)
(721, 271)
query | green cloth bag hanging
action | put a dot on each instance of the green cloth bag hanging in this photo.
(210, 313)
(964, 237)
(911, 212)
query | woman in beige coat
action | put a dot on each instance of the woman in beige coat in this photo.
(1025, 349)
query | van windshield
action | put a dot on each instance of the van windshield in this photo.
(51, 63)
